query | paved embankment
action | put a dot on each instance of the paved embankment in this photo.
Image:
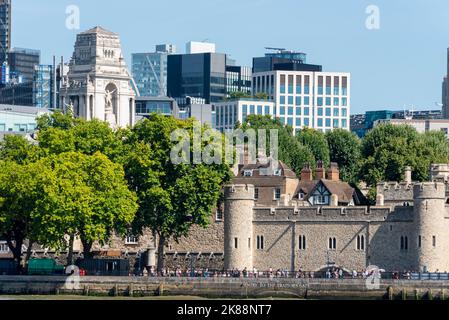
(224, 287)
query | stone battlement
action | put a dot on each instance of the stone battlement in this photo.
(429, 190)
(326, 213)
(239, 192)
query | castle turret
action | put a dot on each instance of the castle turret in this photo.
(238, 227)
(431, 227)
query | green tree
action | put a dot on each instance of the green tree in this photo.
(388, 149)
(59, 135)
(171, 197)
(238, 95)
(261, 96)
(344, 149)
(317, 143)
(18, 149)
(20, 187)
(85, 196)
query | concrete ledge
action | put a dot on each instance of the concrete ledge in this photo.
(214, 287)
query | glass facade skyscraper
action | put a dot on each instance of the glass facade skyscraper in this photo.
(238, 79)
(150, 71)
(43, 86)
(23, 61)
(5, 30)
(206, 75)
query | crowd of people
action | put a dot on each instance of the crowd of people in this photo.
(329, 273)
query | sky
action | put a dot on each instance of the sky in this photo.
(401, 64)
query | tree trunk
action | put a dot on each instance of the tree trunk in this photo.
(70, 253)
(87, 246)
(160, 254)
(17, 252)
(29, 250)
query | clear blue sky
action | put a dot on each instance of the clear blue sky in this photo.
(403, 63)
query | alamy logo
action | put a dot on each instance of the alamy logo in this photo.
(212, 147)
(373, 278)
(73, 280)
(373, 20)
(72, 21)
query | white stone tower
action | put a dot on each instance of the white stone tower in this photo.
(431, 226)
(98, 84)
(238, 227)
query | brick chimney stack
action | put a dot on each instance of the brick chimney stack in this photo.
(320, 173)
(306, 173)
(333, 173)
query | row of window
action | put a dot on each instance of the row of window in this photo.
(320, 122)
(302, 243)
(18, 127)
(298, 101)
(332, 242)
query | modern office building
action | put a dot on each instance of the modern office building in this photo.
(17, 93)
(23, 61)
(193, 47)
(238, 79)
(145, 106)
(228, 113)
(285, 60)
(44, 87)
(5, 30)
(445, 93)
(205, 75)
(319, 100)
(201, 75)
(186, 108)
(149, 70)
(361, 124)
(19, 119)
(420, 125)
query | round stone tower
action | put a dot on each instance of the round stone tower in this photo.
(431, 227)
(238, 227)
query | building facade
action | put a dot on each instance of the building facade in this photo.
(228, 113)
(319, 100)
(149, 70)
(445, 91)
(421, 126)
(210, 76)
(5, 29)
(282, 59)
(44, 86)
(24, 62)
(98, 83)
(19, 119)
(238, 79)
(193, 47)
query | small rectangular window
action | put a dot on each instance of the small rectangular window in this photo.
(256, 193)
(434, 241)
(131, 240)
(219, 215)
(277, 194)
(419, 241)
(249, 243)
(236, 243)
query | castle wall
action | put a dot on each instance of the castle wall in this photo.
(395, 194)
(432, 225)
